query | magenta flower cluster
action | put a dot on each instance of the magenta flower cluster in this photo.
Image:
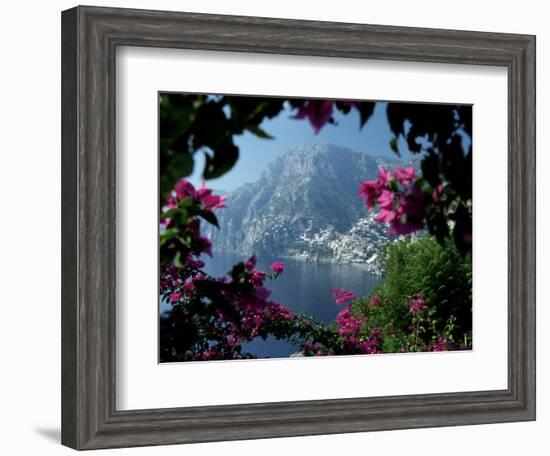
(212, 317)
(228, 310)
(277, 267)
(243, 310)
(374, 302)
(360, 333)
(352, 329)
(416, 304)
(204, 196)
(319, 112)
(401, 201)
(341, 296)
(441, 345)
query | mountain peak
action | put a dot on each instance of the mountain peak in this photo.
(310, 150)
(317, 148)
(303, 200)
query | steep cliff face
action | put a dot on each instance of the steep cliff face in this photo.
(305, 204)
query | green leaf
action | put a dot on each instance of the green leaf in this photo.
(225, 156)
(393, 145)
(211, 126)
(430, 169)
(168, 235)
(255, 129)
(173, 168)
(365, 108)
(177, 260)
(170, 213)
(185, 203)
(344, 108)
(210, 217)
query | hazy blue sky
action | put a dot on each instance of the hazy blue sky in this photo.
(255, 153)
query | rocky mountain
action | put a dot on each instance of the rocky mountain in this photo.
(305, 204)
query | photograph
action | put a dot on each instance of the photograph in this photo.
(273, 225)
(293, 227)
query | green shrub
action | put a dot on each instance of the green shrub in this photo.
(421, 268)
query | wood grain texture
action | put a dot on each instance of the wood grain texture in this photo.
(69, 246)
(90, 36)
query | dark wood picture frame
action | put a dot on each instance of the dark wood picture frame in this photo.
(90, 36)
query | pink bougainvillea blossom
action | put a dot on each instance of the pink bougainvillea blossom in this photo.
(416, 305)
(318, 112)
(349, 324)
(175, 297)
(405, 175)
(277, 267)
(402, 203)
(188, 286)
(384, 176)
(370, 346)
(341, 296)
(254, 301)
(201, 244)
(371, 190)
(350, 328)
(257, 277)
(441, 345)
(250, 263)
(208, 200)
(410, 213)
(386, 216)
(374, 301)
(436, 194)
(386, 199)
(184, 189)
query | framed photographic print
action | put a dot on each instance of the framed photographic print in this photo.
(281, 228)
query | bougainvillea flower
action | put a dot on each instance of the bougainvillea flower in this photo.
(416, 305)
(385, 216)
(441, 345)
(386, 199)
(405, 175)
(205, 245)
(402, 203)
(257, 277)
(438, 191)
(410, 212)
(188, 286)
(185, 189)
(255, 302)
(277, 267)
(208, 200)
(250, 263)
(175, 297)
(369, 191)
(318, 112)
(384, 177)
(341, 296)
